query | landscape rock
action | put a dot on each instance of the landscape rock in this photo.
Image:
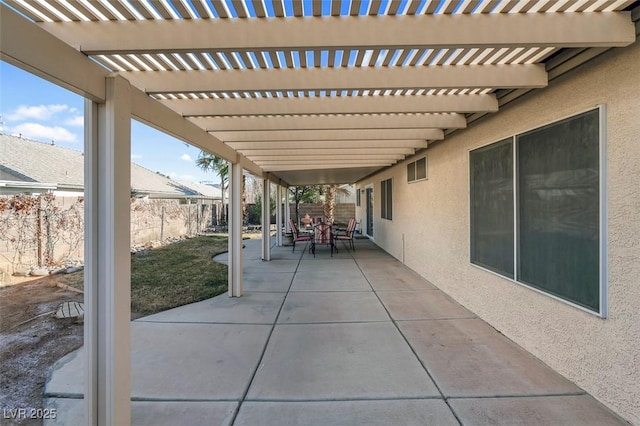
(39, 272)
(21, 272)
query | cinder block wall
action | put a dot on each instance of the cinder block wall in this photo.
(151, 220)
(344, 211)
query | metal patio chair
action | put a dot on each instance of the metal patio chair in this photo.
(296, 235)
(322, 235)
(346, 236)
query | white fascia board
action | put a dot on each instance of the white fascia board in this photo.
(359, 78)
(347, 32)
(334, 105)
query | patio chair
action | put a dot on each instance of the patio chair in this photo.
(322, 235)
(347, 234)
(296, 234)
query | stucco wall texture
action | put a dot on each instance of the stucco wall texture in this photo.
(430, 232)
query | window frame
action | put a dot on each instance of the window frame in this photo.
(386, 199)
(602, 208)
(415, 170)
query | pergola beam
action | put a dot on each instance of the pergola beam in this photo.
(295, 145)
(347, 32)
(331, 151)
(34, 50)
(320, 160)
(334, 105)
(373, 121)
(329, 134)
(326, 157)
(154, 114)
(286, 167)
(359, 78)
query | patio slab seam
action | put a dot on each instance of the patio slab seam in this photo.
(426, 369)
(204, 322)
(528, 395)
(400, 398)
(438, 319)
(266, 344)
(329, 322)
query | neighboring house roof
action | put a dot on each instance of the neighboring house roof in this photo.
(24, 160)
(208, 191)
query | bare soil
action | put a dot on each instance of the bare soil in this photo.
(31, 341)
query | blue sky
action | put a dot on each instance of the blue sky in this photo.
(42, 111)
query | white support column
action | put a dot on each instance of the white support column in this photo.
(287, 211)
(107, 276)
(266, 220)
(279, 215)
(235, 230)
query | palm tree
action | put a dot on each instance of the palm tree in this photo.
(209, 162)
(330, 192)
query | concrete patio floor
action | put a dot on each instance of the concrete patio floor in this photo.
(357, 339)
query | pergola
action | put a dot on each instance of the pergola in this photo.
(295, 92)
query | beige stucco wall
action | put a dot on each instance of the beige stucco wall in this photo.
(600, 355)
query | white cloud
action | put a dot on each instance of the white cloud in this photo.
(136, 156)
(36, 112)
(44, 133)
(186, 157)
(77, 121)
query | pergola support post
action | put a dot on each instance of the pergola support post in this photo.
(279, 215)
(266, 220)
(107, 276)
(235, 230)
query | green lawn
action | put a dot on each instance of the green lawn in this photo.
(173, 275)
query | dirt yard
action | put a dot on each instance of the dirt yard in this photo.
(31, 341)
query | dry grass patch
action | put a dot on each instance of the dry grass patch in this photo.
(173, 275)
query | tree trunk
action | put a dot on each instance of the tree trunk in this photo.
(330, 204)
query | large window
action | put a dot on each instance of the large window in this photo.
(492, 207)
(535, 215)
(386, 199)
